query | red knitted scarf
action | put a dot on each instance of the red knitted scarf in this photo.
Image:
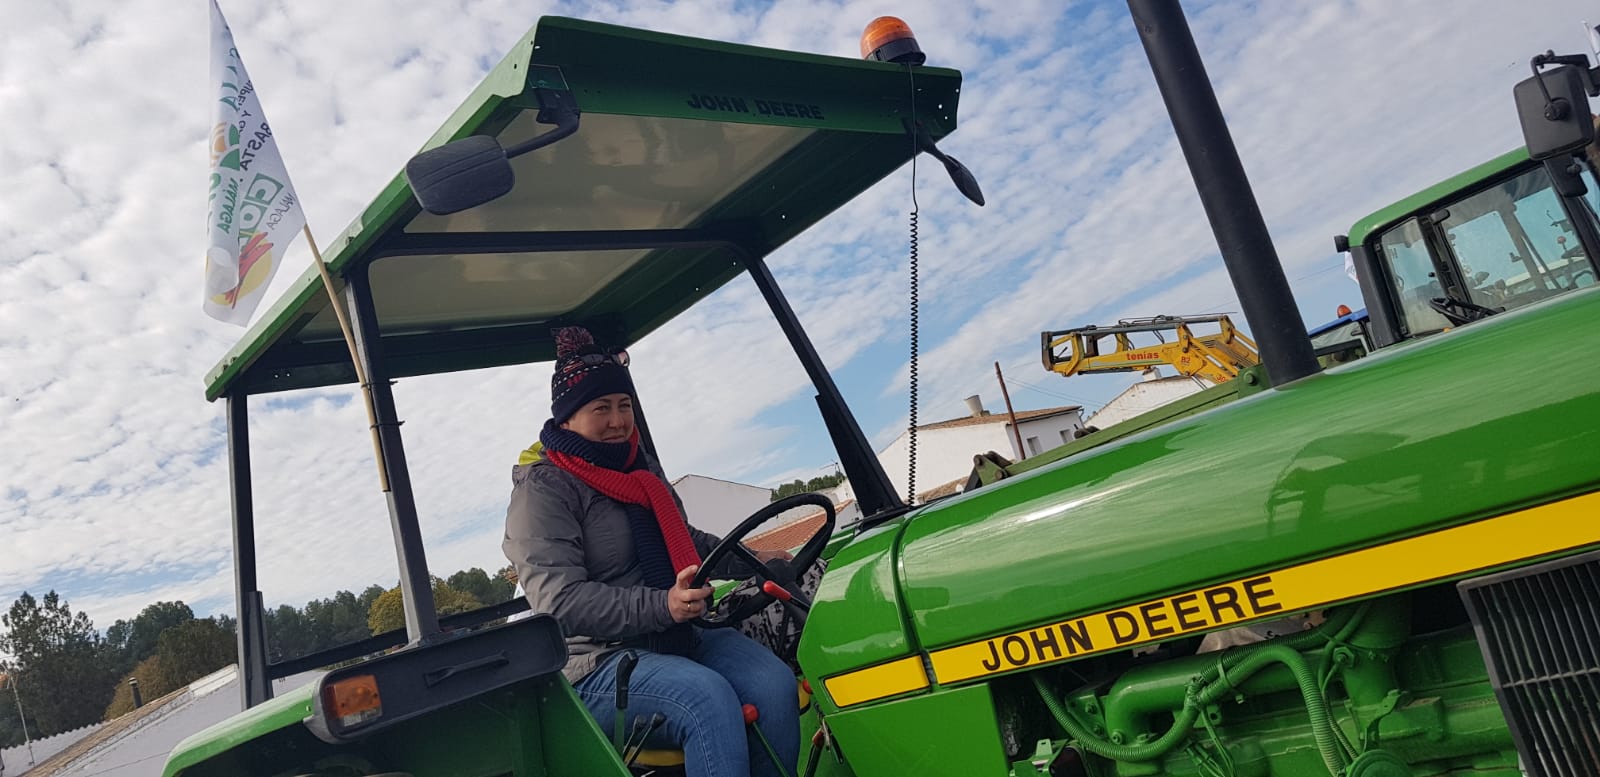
(639, 487)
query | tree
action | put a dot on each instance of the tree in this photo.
(192, 650)
(152, 686)
(487, 590)
(136, 639)
(798, 486)
(58, 662)
(388, 612)
(287, 633)
(338, 620)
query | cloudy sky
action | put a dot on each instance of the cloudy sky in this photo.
(114, 485)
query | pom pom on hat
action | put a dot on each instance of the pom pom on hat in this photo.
(572, 340)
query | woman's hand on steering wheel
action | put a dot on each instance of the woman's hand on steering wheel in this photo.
(685, 601)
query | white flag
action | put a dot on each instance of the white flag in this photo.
(254, 213)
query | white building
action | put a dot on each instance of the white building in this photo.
(945, 449)
(719, 505)
(1151, 392)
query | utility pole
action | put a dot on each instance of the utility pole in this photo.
(1022, 453)
(11, 679)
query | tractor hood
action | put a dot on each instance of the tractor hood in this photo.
(1199, 523)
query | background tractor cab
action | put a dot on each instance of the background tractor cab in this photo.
(1508, 233)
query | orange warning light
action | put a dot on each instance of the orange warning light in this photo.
(888, 39)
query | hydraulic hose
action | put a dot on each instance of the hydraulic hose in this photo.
(1316, 704)
(1215, 683)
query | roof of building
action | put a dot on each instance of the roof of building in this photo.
(994, 418)
(794, 533)
(953, 487)
(790, 535)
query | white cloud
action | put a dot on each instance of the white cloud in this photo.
(115, 485)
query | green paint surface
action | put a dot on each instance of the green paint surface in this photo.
(1450, 188)
(858, 139)
(1412, 439)
(945, 733)
(856, 619)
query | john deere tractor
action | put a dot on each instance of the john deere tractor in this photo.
(1390, 567)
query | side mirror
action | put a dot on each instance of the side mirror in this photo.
(474, 170)
(460, 175)
(1554, 109)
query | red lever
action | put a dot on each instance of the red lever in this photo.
(751, 714)
(776, 591)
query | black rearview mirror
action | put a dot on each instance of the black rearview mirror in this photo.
(460, 175)
(474, 170)
(1554, 109)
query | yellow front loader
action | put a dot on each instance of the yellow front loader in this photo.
(1217, 357)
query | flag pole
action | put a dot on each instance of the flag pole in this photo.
(350, 342)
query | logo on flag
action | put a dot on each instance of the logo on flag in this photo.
(254, 213)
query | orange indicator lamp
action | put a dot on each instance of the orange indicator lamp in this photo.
(353, 700)
(888, 39)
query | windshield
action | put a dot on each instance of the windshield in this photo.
(1411, 278)
(1514, 243)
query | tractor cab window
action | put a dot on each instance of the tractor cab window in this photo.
(1412, 279)
(1514, 244)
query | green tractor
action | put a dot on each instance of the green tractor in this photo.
(1389, 567)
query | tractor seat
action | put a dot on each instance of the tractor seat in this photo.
(649, 760)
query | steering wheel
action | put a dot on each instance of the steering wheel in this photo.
(779, 578)
(1459, 311)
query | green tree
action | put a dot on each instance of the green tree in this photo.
(192, 650)
(152, 686)
(58, 661)
(136, 639)
(388, 612)
(798, 486)
(487, 590)
(337, 620)
(288, 635)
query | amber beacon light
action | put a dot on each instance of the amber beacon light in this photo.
(888, 39)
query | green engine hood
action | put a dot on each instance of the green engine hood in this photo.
(1469, 424)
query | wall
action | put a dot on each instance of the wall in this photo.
(718, 505)
(1141, 398)
(945, 454)
(1049, 431)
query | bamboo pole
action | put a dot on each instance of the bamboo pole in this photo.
(355, 358)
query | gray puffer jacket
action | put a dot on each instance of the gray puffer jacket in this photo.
(572, 548)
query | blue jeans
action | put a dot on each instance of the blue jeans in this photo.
(702, 696)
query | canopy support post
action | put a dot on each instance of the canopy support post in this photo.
(1225, 192)
(873, 490)
(416, 587)
(255, 686)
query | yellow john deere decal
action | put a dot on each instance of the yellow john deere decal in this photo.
(1526, 534)
(876, 682)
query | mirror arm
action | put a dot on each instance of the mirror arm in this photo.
(558, 107)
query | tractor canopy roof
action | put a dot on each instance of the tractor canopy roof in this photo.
(1450, 188)
(688, 154)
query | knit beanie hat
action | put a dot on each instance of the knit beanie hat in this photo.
(584, 373)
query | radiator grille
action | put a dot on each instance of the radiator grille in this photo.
(1539, 629)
